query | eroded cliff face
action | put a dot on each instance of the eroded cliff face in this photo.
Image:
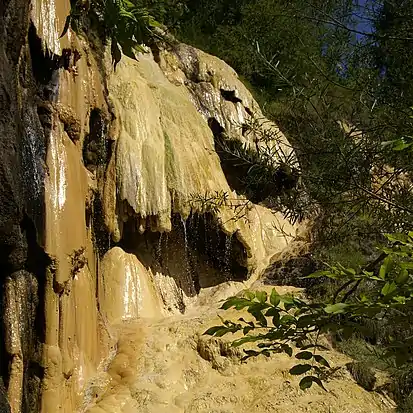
(105, 178)
(120, 228)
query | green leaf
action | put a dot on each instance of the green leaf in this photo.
(304, 355)
(306, 382)
(261, 296)
(306, 320)
(287, 299)
(251, 353)
(287, 349)
(274, 298)
(350, 271)
(383, 271)
(238, 302)
(256, 311)
(299, 369)
(276, 320)
(398, 144)
(321, 360)
(338, 308)
(273, 311)
(249, 295)
(397, 237)
(319, 274)
(402, 277)
(406, 265)
(243, 340)
(222, 332)
(389, 288)
(213, 331)
(289, 306)
(287, 319)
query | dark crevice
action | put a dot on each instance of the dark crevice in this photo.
(44, 62)
(32, 389)
(249, 172)
(248, 110)
(97, 149)
(155, 52)
(215, 127)
(230, 96)
(101, 236)
(224, 252)
(4, 404)
(232, 167)
(45, 114)
(37, 263)
(196, 253)
(4, 356)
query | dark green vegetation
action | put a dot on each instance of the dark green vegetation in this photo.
(127, 24)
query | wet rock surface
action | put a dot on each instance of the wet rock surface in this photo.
(106, 285)
(4, 404)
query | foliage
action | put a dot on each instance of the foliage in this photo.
(216, 201)
(282, 321)
(126, 23)
(325, 73)
(263, 167)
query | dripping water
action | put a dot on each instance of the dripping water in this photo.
(227, 256)
(188, 272)
(185, 235)
(206, 239)
(158, 251)
(34, 154)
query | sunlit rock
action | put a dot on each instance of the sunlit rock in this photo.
(126, 289)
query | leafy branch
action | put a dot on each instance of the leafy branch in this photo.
(214, 201)
(281, 322)
(127, 24)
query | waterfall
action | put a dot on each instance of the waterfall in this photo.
(33, 155)
(227, 255)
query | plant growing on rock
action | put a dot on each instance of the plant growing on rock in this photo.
(281, 322)
(126, 23)
(215, 201)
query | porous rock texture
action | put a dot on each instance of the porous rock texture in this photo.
(99, 170)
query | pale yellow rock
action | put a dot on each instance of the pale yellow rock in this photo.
(126, 288)
(167, 366)
(164, 150)
(163, 155)
(219, 94)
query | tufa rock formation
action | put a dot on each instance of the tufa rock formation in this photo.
(114, 206)
(103, 181)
